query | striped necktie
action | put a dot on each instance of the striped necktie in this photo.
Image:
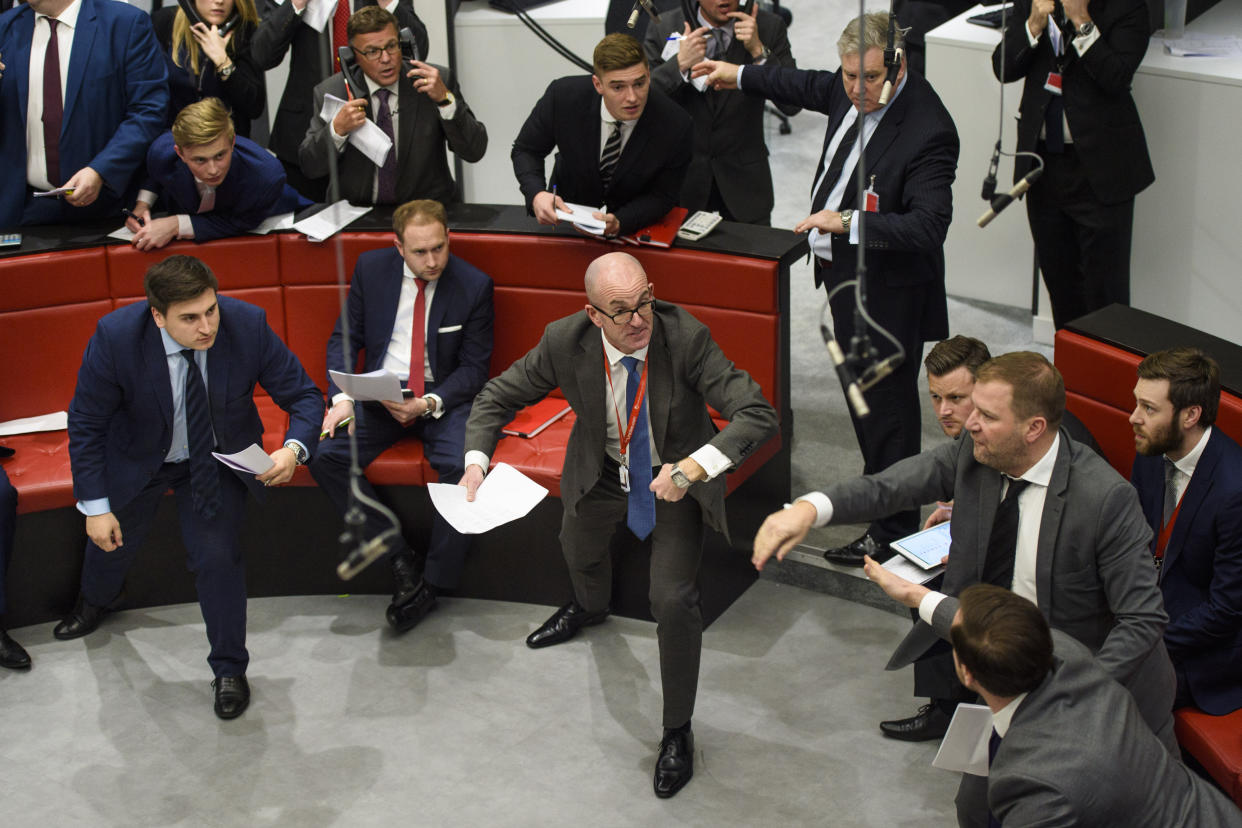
(612, 152)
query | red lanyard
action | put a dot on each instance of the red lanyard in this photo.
(1166, 531)
(624, 439)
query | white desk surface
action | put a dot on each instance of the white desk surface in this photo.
(479, 13)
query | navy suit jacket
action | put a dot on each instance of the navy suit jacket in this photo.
(1202, 574)
(121, 416)
(253, 189)
(116, 96)
(646, 182)
(461, 317)
(912, 156)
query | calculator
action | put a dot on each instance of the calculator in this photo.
(699, 225)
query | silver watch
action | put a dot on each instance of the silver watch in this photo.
(1086, 29)
(846, 217)
(679, 478)
(299, 453)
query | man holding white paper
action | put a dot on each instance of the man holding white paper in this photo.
(426, 316)
(415, 105)
(162, 383)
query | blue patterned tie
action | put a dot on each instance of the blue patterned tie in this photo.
(640, 516)
(204, 474)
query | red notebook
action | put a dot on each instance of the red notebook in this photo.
(535, 418)
(662, 233)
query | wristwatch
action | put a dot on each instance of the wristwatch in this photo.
(431, 406)
(764, 55)
(1086, 29)
(679, 478)
(448, 99)
(299, 453)
(846, 217)
(225, 71)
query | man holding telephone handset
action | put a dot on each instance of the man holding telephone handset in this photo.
(422, 117)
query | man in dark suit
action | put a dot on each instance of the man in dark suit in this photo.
(282, 30)
(633, 457)
(213, 182)
(421, 115)
(1188, 474)
(12, 654)
(163, 383)
(1032, 511)
(729, 173)
(1069, 747)
(417, 303)
(103, 58)
(620, 144)
(911, 160)
(1089, 136)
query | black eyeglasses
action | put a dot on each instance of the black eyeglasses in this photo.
(373, 52)
(625, 316)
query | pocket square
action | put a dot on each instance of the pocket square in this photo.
(449, 329)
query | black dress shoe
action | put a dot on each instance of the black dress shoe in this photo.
(929, 723)
(405, 573)
(675, 765)
(411, 607)
(84, 619)
(232, 696)
(563, 625)
(852, 553)
(12, 655)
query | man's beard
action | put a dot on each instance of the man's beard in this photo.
(1163, 440)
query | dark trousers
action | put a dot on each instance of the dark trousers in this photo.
(443, 445)
(676, 547)
(8, 526)
(213, 553)
(1083, 245)
(893, 430)
(313, 188)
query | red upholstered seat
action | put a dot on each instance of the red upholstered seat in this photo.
(1216, 743)
(40, 471)
(243, 262)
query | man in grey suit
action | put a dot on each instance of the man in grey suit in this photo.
(729, 173)
(1069, 746)
(423, 115)
(1071, 538)
(643, 452)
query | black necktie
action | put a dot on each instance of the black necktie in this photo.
(993, 745)
(388, 172)
(612, 152)
(53, 105)
(829, 180)
(1003, 541)
(204, 474)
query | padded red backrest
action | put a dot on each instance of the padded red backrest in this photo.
(47, 279)
(303, 262)
(42, 350)
(751, 340)
(521, 316)
(240, 263)
(313, 310)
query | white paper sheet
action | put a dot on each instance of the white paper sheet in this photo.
(251, 459)
(329, 221)
(1204, 45)
(368, 139)
(505, 494)
(900, 566)
(965, 745)
(375, 385)
(318, 13)
(123, 233)
(671, 47)
(274, 223)
(580, 215)
(56, 193)
(56, 421)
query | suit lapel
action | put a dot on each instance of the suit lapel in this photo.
(218, 379)
(1050, 526)
(446, 291)
(19, 62)
(885, 133)
(79, 59)
(1196, 494)
(659, 383)
(407, 118)
(834, 123)
(589, 366)
(155, 362)
(634, 147)
(389, 290)
(989, 501)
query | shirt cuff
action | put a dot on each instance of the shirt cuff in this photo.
(341, 397)
(185, 229)
(439, 412)
(448, 110)
(854, 226)
(823, 507)
(391, 8)
(478, 458)
(1030, 38)
(92, 508)
(738, 80)
(338, 141)
(712, 459)
(927, 607)
(149, 197)
(298, 12)
(1083, 42)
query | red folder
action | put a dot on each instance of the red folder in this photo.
(535, 418)
(662, 233)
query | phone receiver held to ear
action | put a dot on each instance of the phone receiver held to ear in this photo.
(355, 80)
(191, 13)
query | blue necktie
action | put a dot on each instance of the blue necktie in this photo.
(640, 516)
(204, 475)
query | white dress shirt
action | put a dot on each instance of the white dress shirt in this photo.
(36, 157)
(1186, 466)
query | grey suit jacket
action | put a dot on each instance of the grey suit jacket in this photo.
(687, 372)
(422, 163)
(1094, 577)
(1078, 753)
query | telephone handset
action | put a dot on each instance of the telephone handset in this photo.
(355, 78)
(191, 13)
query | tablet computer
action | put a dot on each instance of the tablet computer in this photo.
(925, 549)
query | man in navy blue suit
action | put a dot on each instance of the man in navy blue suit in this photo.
(911, 160)
(415, 304)
(12, 654)
(163, 383)
(213, 182)
(1189, 478)
(90, 137)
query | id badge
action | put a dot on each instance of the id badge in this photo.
(871, 199)
(623, 472)
(1053, 84)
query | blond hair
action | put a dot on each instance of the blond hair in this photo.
(183, 40)
(201, 123)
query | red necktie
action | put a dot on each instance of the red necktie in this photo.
(418, 339)
(53, 105)
(339, 22)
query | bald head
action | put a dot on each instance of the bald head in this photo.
(615, 284)
(613, 272)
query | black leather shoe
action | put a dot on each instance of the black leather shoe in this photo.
(852, 553)
(563, 625)
(12, 655)
(675, 765)
(83, 620)
(929, 723)
(406, 576)
(232, 696)
(411, 607)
